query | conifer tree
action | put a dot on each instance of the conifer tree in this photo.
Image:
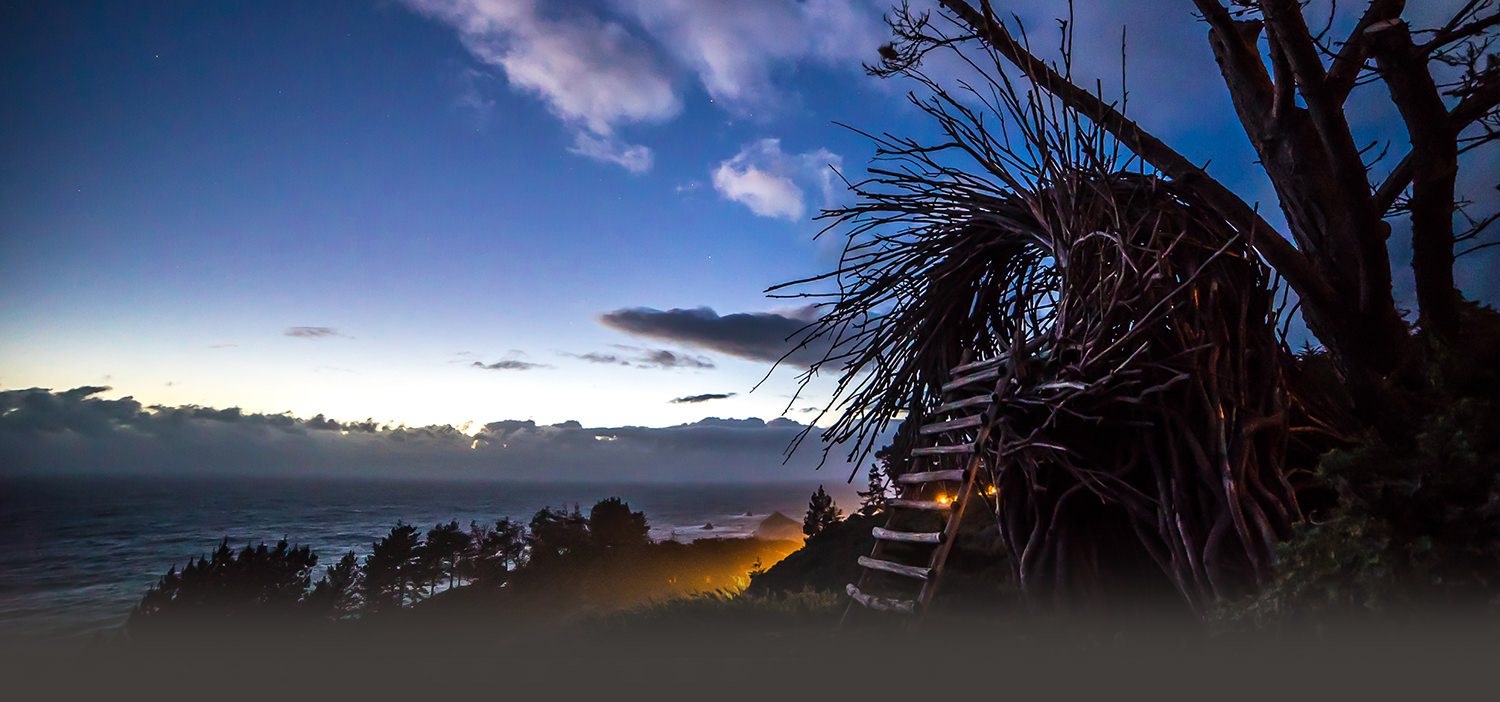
(393, 570)
(874, 499)
(250, 583)
(494, 551)
(613, 526)
(336, 594)
(555, 534)
(821, 513)
(446, 544)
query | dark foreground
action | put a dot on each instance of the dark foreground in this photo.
(1011, 658)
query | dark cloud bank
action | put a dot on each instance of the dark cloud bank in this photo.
(75, 432)
(762, 336)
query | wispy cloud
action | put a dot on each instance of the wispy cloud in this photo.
(633, 158)
(601, 358)
(311, 332)
(662, 358)
(603, 66)
(638, 357)
(508, 365)
(765, 179)
(734, 46)
(695, 399)
(593, 74)
(474, 97)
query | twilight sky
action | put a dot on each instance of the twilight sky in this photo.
(457, 212)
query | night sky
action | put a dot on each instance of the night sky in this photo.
(457, 212)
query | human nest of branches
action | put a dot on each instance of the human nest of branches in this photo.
(1149, 402)
(1142, 394)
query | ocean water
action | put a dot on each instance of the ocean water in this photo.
(76, 553)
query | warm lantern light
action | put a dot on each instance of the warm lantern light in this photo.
(943, 499)
(990, 491)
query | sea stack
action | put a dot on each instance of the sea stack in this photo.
(779, 527)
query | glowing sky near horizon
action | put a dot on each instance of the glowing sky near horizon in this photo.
(460, 191)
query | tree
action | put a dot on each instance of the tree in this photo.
(873, 500)
(1338, 219)
(336, 594)
(1052, 252)
(821, 513)
(446, 544)
(612, 526)
(254, 582)
(494, 551)
(394, 572)
(556, 534)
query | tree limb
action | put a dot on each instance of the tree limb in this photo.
(1479, 102)
(1434, 153)
(1358, 228)
(1455, 30)
(1278, 252)
(1344, 72)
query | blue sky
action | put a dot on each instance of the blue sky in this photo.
(425, 211)
(198, 180)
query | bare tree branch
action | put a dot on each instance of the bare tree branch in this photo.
(1277, 251)
(1351, 58)
(1473, 107)
(1461, 27)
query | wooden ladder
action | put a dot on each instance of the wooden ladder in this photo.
(945, 478)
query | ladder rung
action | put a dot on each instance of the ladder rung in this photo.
(883, 604)
(990, 374)
(942, 450)
(920, 504)
(977, 365)
(909, 571)
(961, 423)
(960, 404)
(915, 537)
(932, 476)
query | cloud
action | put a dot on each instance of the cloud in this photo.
(695, 399)
(636, 159)
(734, 46)
(765, 194)
(223, 346)
(473, 97)
(604, 358)
(662, 358)
(593, 74)
(765, 179)
(511, 364)
(763, 336)
(599, 68)
(645, 358)
(76, 432)
(310, 332)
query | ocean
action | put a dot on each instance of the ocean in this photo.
(76, 553)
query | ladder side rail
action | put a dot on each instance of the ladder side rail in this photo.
(939, 557)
